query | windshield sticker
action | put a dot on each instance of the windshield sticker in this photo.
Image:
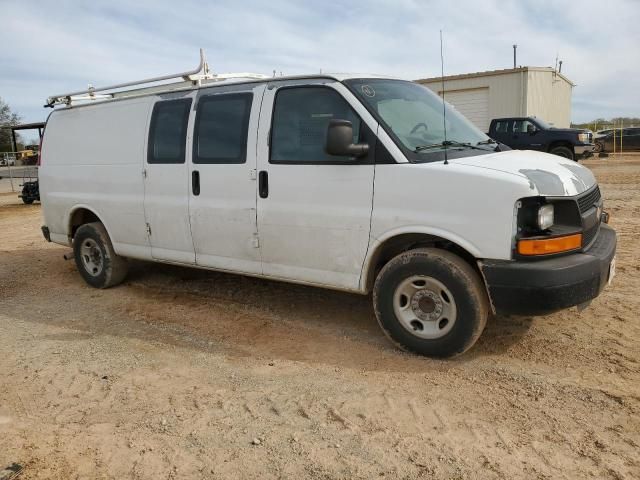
(368, 91)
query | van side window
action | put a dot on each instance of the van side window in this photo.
(299, 125)
(168, 131)
(222, 122)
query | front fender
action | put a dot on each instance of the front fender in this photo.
(376, 244)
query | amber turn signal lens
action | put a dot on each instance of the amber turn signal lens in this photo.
(549, 245)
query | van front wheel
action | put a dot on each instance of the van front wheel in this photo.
(431, 302)
(95, 258)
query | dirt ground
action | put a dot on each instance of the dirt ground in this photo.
(182, 373)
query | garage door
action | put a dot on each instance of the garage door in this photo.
(473, 104)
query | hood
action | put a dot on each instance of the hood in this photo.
(548, 174)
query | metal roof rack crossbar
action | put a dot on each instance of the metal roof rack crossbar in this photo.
(191, 77)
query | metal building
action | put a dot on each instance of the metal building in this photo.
(525, 91)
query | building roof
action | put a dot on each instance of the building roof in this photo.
(490, 73)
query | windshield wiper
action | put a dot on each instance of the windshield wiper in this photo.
(448, 143)
(495, 145)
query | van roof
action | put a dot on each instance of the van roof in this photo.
(191, 80)
(90, 98)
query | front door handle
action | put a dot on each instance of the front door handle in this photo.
(195, 182)
(263, 184)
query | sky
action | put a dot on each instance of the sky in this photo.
(50, 47)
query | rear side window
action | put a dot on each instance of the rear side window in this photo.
(501, 127)
(168, 131)
(222, 123)
(300, 120)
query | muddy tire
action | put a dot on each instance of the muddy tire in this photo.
(430, 302)
(565, 152)
(95, 258)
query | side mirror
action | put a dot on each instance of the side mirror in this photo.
(340, 140)
(531, 130)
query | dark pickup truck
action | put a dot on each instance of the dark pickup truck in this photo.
(531, 133)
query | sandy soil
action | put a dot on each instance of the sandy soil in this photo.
(175, 373)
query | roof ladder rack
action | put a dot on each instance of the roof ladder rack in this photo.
(186, 79)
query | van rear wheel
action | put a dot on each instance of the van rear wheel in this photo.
(95, 258)
(431, 302)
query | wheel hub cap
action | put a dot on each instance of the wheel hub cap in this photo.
(91, 257)
(425, 307)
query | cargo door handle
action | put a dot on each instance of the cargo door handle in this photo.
(263, 184)
(195, 182)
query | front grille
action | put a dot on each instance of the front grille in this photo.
(589, 235)
(586, 202)
(589, 200)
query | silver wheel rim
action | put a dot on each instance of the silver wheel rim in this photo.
(424, 307)
(91, 256)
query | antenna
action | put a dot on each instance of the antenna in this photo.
(444, 106)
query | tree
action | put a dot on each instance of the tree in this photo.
(602, 123)
(7, 119)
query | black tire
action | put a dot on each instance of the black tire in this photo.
(463, 283)
(27, 200)
(95, 258)
(565, 152)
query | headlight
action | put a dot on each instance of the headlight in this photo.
(583, 137)
(545, 217)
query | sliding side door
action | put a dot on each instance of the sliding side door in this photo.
(222, 197)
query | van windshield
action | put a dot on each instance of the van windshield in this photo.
(413, 115)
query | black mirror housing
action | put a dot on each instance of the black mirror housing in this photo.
(339, 140)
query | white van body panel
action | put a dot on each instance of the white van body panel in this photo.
(320, 225)
(166, 202)
(549, 174)
(314, 225)
(223, 215)
(92, 158)
(469, 206)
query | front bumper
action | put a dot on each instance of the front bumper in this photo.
(545, 286)
(584, 149)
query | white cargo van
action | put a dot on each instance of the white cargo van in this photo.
(351, 182)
